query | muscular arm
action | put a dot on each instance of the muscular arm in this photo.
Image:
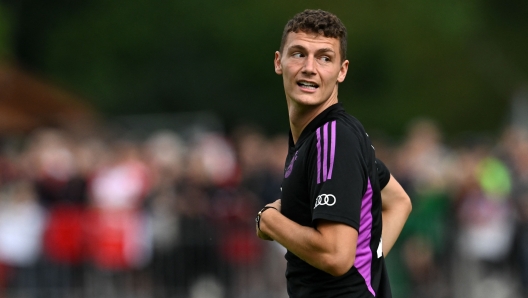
(396, 207)
(330, 247)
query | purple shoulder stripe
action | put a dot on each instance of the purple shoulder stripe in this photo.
(318, 155)
(326, 140)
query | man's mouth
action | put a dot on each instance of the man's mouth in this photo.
(308, 85)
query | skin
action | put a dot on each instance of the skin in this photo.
(395, 209)
(314, 59)
(312, 68)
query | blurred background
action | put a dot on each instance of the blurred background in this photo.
(138, 139)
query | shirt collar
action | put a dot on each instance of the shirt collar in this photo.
(329, 114)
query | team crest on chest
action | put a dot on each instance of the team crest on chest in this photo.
(290, 167)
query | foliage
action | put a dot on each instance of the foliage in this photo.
(5, 40)
(455, 61)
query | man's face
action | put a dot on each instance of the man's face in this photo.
(311, 67)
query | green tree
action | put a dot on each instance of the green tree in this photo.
(456, 62)
(5, 34)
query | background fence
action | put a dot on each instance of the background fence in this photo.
(170, 213)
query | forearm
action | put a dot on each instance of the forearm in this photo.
(297, 239)
(396, 207)
(393, 222)
(321, 250)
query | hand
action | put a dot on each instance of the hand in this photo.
(276, 205)
(262, 235)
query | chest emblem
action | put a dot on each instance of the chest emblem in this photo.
(290, 167)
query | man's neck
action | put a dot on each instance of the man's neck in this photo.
(300, 116)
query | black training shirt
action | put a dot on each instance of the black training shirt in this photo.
(332, 173)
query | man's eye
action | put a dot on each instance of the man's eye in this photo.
(297, 55)
(325, 59)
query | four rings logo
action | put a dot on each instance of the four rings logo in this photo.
(324, 199)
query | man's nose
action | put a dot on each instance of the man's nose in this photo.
(309, 65)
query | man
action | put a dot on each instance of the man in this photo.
(330, 214)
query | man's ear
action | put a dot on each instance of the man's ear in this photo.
(343, 71)
(277, 63)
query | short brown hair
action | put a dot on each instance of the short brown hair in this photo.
(318, 22)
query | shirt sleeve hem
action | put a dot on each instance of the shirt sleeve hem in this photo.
(340, 219)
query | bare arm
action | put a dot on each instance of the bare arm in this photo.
(330, 247)
(396, 207)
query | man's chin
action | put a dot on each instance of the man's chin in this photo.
(308, 100)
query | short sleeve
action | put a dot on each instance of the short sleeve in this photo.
(338, 175)
(383, 173)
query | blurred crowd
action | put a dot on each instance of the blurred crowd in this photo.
(467, 234)
(163, 216)
(172, 215)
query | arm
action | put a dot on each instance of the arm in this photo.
(330, 247)
(396, 207)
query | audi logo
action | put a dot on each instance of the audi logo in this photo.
(324, 199)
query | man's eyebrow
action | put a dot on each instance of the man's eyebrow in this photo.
(297, 47)
(325, 50)
(302, 48)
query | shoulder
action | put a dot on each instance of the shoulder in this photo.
(335, 132)
(344, 131)
(351, 124)
(336, 137)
